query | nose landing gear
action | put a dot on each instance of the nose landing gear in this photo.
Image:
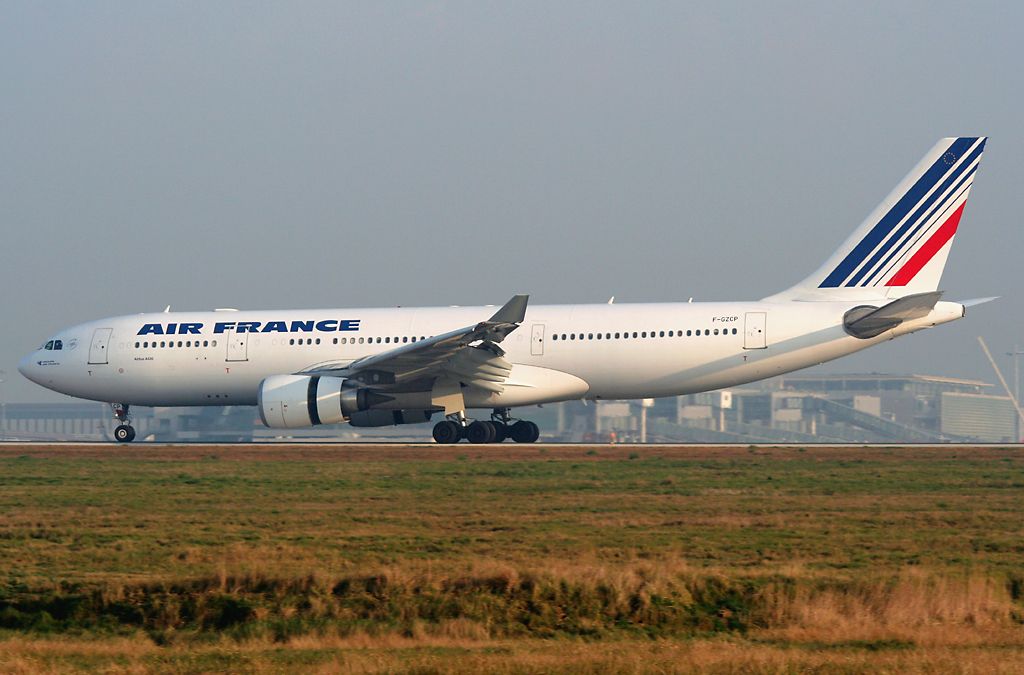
(124, 432)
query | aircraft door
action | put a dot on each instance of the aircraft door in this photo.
(238, 346)
(754, 336)
(99, 345)
(537, 340)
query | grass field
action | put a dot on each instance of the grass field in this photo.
(511, 559)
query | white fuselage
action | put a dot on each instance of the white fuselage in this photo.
(560, 352)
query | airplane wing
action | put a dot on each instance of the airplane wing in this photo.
(470, 355)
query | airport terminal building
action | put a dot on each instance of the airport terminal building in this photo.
(852, 408)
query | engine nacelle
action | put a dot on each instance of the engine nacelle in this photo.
(292, 401)
(387, 418)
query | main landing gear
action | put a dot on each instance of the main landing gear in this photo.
(496, 430)
(124, 432)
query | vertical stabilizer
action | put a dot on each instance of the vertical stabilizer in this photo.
(901, 248)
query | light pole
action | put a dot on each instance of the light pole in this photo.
(3, 410)
(1016, 354)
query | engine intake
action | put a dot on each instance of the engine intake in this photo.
(293, 401)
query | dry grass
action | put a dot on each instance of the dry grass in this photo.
(364, 559)
(392, 654)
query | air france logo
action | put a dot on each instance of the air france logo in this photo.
(196, 328)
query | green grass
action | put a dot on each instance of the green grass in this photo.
(197, 544)
(72, 518)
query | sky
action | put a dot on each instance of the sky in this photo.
(294, 155)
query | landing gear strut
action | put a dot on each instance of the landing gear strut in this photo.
(124, 432)
(496, 430)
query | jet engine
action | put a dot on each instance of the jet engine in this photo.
(291, 401)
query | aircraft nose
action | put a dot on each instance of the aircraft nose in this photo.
(25, 367)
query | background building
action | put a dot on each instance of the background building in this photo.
(792, 409)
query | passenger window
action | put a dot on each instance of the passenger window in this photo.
(213, 344)
(180, 343)
(716, 331)
(707, 332)
(590, 336)
(734, 331)
(618, 336)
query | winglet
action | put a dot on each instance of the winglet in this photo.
(513, 311)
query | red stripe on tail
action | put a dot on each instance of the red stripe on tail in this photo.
(928, 251)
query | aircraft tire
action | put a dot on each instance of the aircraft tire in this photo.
(124, 433)
(524, 432)
(500, 431)
(446, 432)
(480, 432)
(534, 432)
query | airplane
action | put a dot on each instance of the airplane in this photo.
(390, 366)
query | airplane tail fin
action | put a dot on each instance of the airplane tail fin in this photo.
(901, 247)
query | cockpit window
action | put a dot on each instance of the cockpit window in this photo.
(48, 345)
(58, 344)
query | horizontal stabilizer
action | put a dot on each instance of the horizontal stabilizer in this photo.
(867, 322)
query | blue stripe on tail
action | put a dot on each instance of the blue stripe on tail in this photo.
(916, 219)
(896, 214)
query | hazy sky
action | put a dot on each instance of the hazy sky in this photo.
(298, 154)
